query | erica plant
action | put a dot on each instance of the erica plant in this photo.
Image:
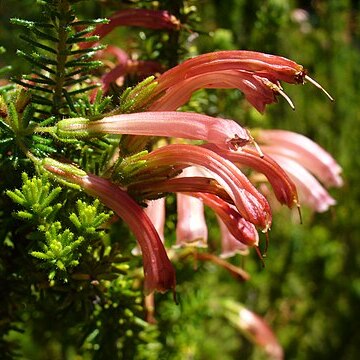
(94, 140)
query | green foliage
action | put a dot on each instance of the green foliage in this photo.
(88, 220)
(59, 249)
(85, 108)
(62, 65)
(5, 69)
(17, 128)
(37, 197)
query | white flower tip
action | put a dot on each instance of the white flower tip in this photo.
(286, 97)
(316, 84)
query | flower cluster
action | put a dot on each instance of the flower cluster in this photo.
(157, 149)
(204, 160)
(209, 173)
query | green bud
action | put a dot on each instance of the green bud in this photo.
(72, 128)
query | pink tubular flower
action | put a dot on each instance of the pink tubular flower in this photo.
(191, 226)
(155, 210)
(304, 151)
(149, 19)
(284, 188)
(249, 202)
(311, 192)
(225, 133)
(119, 70)
(158, 271)
(254, 328)
(256, 74)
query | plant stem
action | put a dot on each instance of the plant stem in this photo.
(61, 58)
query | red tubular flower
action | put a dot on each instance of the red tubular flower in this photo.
(158, 271)
(244, 231)
(250, 203)
(225, 133)
(304, 151)
(284, 188)
(275, 68)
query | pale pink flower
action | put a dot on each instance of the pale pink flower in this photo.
(158, 271)
(191, 228)
(155, 210)
(225, 133)
(311, 192)
(304, 151)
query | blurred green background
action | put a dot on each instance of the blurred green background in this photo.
(309, 291)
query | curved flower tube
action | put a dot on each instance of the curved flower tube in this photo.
(225, 133)
(284, 188)
(256, 89)
(158, 271)
(244, 231)
(250, 203)
(255, 73)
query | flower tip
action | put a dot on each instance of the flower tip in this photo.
(287, 98)
(299, 212)
(316, 84)
(159, 278)
(257, 148)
